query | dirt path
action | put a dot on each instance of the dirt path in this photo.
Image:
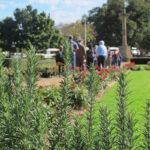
(44, 82)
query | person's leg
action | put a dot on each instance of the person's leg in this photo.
(119, 63)
(94, 63)
(59, 67)
(74, 62)
(110, 62)
(103, 61)
(99, 63)
(80, 63)
(88, 63)
(115, 62)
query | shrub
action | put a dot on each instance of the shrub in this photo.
(79, 95)
(146, 132)
(45, 73)
(105, 138)
(77, 138)
(124, 121)
(147, 67)
(58, 128)
(22, 116)
(50, 95)
(140, 68)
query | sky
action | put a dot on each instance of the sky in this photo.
(61, 11)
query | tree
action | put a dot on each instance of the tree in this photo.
(8, 33)
(138, 23)
(29, 27)
(107, 21)
(77, 31)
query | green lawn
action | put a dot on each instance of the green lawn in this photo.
(139, 86)
(44, 63)
(49, 63)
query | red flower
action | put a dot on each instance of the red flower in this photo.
(101, 72)
(104, 76)
(97, 68)
(106, 70)
(129, 65)
(70, 68)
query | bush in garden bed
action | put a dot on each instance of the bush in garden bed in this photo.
(50, 95)
(137, 68)
(46, 73)
(8, 71)
(79, 86)
(129, 65)
(49, 72)
(147, 67)
(140, 68)
(78, 95)
(22, 117)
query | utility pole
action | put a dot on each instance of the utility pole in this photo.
(124, 27)
(85, 38)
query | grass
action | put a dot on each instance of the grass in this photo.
(49, 63)
(139, 88)
(44, 63)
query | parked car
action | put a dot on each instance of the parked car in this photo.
(5, 53)
(114, 49)
(135, 51)
(16, 55)
(51, 52)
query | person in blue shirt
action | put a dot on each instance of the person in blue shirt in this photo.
(102, 54)
(74, 47)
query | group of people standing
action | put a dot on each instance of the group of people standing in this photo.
(104, 57)
(100, 55)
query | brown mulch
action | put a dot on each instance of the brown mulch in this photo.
(45, 82)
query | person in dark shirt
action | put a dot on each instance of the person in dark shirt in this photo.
(80, 55)
(89, 57)
(60, 60)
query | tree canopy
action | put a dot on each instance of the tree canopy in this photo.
(28, 27)
(107, 21)
(78, 32)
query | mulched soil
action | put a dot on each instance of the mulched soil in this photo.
(45, 82)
